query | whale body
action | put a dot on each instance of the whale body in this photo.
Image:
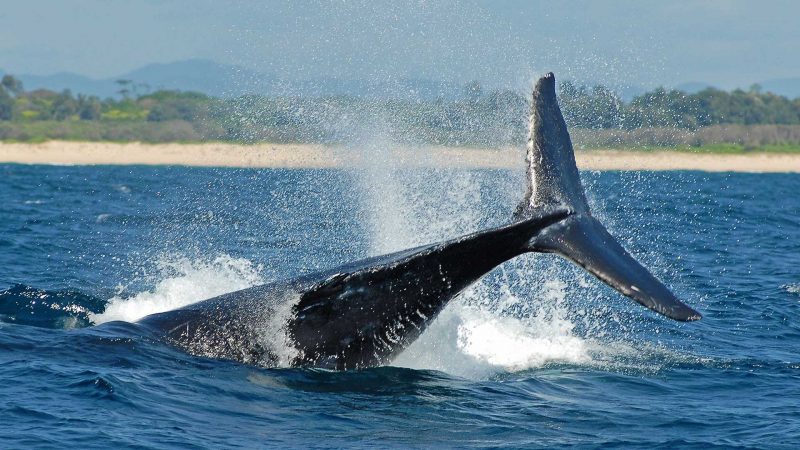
(365, 313)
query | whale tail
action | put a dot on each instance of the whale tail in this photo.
(553, 180)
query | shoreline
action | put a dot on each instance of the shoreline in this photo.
(321, 156)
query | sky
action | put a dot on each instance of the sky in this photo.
(497, 42)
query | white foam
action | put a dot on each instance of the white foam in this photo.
(476, 338)
(183, 281)
(793, 288)
(513, 345)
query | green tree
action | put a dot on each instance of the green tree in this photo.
(89, 108)
(12, 85)
(124, 87)
(597, 108)
(6, 104)
(173, 105)
(662, 108)
(64, 106)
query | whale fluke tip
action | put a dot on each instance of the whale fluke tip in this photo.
(546, 83)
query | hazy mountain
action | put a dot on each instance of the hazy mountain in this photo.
(65, 80)
(197, 75)
(789, 87)
(226, 81)
(190, 75)
(693, 87)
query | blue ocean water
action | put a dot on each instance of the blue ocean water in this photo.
(537, 355)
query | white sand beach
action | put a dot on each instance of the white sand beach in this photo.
(319, 156)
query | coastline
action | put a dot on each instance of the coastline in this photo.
(320, 156)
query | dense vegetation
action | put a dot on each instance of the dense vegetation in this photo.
(598, 116)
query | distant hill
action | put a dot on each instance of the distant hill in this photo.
(789, 87)
(196, 75)
(693, 87)
(222, 80)
(74, 82)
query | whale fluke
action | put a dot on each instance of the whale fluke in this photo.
(553, 180)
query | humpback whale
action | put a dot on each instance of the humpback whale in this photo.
(365, 313)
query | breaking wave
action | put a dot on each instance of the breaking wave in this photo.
(182, 281)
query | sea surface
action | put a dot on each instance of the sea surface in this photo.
(537, 355)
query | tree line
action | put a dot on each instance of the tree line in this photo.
(477, 118)
(600, 108)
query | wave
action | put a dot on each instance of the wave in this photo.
(179, 281)
(473, 338)
(182, 281)
(792, 288)
(26, 305)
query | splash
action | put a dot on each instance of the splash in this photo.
(792, 288)
(183, 281)
(515, 319)
(490, 330)
(514, 345)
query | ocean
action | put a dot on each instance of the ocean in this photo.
(539, 354)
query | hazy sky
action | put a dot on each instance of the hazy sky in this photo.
(727, 43)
